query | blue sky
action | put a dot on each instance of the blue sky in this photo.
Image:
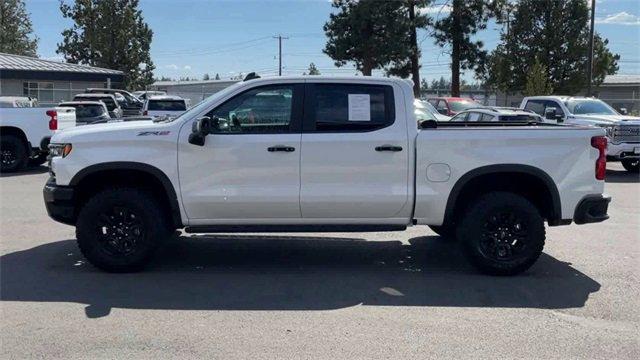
(193, 37)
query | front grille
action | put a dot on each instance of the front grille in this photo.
(626, 133)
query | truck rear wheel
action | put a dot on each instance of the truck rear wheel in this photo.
(502, 233)
(118, 230)
(13, 153)
(38, 159)
(631, 165)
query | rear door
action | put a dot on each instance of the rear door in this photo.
(355, 152)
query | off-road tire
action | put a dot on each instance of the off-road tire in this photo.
(149, 230)
(13, 152)
(631, 165)
(520, 221)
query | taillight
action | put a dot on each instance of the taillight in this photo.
(600, 143)
(53, 123)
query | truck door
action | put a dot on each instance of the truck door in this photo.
(355, 155)
(249, 168)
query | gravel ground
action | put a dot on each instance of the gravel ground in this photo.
(394, 295)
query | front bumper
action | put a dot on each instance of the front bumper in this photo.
(592, 209)
(59, 202)
(623, 151)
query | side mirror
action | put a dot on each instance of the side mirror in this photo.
(550, 113)
(623, 111)
(199, 131)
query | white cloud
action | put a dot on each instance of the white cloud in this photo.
(187, 67)
(621, 18)
(436, 10)
(171, 67)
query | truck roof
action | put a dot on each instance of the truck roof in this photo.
(165, 97)
(557, 97)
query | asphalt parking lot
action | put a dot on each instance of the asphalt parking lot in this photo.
(331, 296)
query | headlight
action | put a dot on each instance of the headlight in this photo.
(608, 128)
(60, 150)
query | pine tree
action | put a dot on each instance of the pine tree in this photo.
(110, 34)
(455, 31)
(313, 70)
(217, 76)
(205, 77)
(372, 34)
(556, 32)
(537, 81)
(16, 31)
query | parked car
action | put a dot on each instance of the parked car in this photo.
(452, 105)
(426, 111)
(347, 158)
(131, 105)
(25, 133)
(502, 114)
(115, 111)
(164, 105)
(623, 131)
(144, 95)
(88, 112)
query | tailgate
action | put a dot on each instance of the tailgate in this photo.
(66, 117)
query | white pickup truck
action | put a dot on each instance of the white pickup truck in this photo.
(623, 132)
(323, 154)
(25, 134)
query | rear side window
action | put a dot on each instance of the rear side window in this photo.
(487, 117)
(167, 105)
(348, 108)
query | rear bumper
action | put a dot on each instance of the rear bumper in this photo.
(59, 202)
(592, 209)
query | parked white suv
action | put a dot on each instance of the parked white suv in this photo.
(323, 154)
(623, 131)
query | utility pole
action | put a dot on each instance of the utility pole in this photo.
(280, 37)
(590, 69)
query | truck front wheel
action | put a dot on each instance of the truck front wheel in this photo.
(13, 153)
(502, 233)
(119, 229)
(631, 165)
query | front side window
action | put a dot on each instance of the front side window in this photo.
(459, 117)
(540, 106)
(347, 107)
(265, 109)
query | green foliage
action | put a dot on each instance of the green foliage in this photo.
(313, 70)
(456, 30)
(205, 77)
(537, 81)
(372, 34)
(16, 32)
(556, 32)
(110, 34)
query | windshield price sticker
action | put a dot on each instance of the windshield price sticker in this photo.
(359, 107)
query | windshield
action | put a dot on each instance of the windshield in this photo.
(462, 105)
(589, 106)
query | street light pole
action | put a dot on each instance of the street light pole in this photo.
(591, 35)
